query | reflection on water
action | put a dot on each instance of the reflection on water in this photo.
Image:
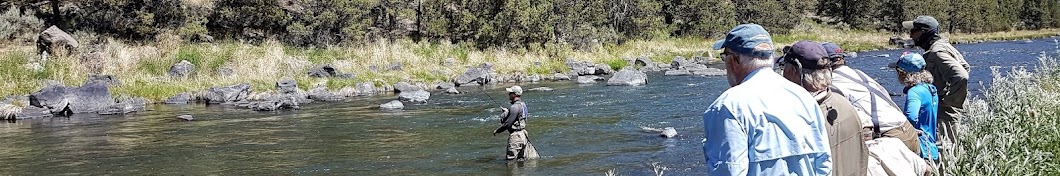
(578, 129)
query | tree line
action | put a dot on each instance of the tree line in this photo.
(511, 23)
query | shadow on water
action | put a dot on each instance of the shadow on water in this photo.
(578, 129)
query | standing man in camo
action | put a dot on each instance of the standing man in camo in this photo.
(514, 122)
(948, 68)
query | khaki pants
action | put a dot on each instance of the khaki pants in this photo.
(519, 147)
(947, 117)
(908, 134)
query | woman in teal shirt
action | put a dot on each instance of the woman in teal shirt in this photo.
(922, 101)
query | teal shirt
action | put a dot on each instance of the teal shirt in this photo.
(767, 125)
(921, 108)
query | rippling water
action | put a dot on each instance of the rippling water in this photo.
(578, 129)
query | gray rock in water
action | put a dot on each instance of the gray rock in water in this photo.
(51, 97)
(709, 72)
(125, 107)
(669, 132)
(365, 88)
(475, 75)
(53, 38)
(628, 77)
(272, 105)
(181, 98)
(542, 89)
(643, 61)
(559, 77)
(586, 68)
(31, 112)
(230, 94)
(883, 55)
(445, 85)
(452, 90)
(405, 87)
(185, 117)
(108, 79)
(321, 93)
(532, 78)
(182, 69)
(286, 85)
(392, 105)
(677, 73)
(417, 97)
(91, 97)
(587, 79)
(287, 89)
(323, 71)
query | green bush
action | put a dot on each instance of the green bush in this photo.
(19, 26)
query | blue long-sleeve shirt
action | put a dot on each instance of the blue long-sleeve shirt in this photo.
(766, 126)
(921, 109)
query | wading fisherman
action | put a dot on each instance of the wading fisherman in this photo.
(949, 69)
(763, 124)
(514, 121)
(807, 64)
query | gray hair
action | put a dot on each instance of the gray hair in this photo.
(914, 78)
(754, 62)
(816, 80)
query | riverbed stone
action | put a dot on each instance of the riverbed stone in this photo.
(392, 105)
(320, 93)
(452, 90)
(126, 106)
(542, 89)
(287, 88)
(478, 75)
(182, 69)
(276, 104)
(185, 117)
(225, 94)
(418, 97)
(366, 88)
(677, 73)
(668, 132)
(587, 79)
(31, 112)
(91, 97)
(709, 72)
(628, 77)
(679, 63)
(444, 85)
(560, 77)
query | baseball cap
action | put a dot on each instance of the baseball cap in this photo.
(909, 62)
(515, 89)
(833, 50)
(749, 39)
(922, 22)
(811, 55)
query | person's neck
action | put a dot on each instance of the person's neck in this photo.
(516, 99)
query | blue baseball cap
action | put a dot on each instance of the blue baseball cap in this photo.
(749, 39)
(910, 62)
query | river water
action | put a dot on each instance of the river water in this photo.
(578, 129)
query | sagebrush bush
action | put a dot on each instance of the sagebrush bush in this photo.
(19, 27)
(1013, 130)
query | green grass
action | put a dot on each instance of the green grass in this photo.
(617, 64)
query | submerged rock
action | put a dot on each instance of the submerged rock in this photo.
(181, 98)
(560, 77)
(185, 117)
(452, 90)
(677, 73)
(125, 107)
(392, 105)
(321, 93)
(542, 89)
(628, 77)
(669, 132)
(418, 96)
(587, 79)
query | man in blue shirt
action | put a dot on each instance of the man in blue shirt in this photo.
(764, 124)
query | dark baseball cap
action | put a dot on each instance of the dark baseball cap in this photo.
(922, 22)
(749, 39)
(833, 50)
(810, 55)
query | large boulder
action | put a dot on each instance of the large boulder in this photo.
(628, 77)
(365, 88)
(419, 96)
(392, 105)
(182, 69)
(478, 75)
(91, 97)
(230, 94)
(52, 38)
(181, 98)
(405, 87)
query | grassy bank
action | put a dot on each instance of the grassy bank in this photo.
(142, 67)
(1013, 131)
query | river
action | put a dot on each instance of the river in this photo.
(578, 129)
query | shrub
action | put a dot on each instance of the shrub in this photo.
(19, 26)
